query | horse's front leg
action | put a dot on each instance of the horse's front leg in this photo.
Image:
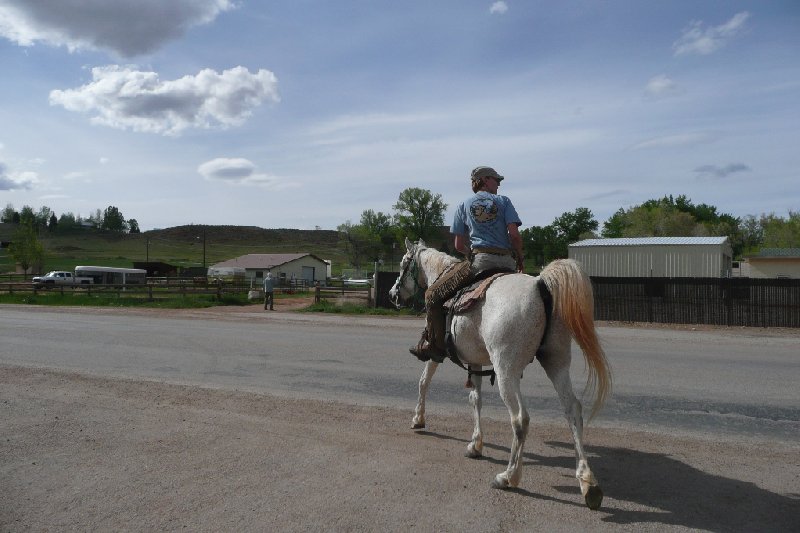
(424, 383)
(573, 411)
(509, 391)
(475, 447)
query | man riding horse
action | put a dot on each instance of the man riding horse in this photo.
(486, 229)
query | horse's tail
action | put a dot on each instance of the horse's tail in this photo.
(573, 303)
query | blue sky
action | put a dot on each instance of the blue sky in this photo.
(303, 114)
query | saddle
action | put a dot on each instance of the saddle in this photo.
(463, 300)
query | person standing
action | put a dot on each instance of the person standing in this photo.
(269, 289)
(486, 230)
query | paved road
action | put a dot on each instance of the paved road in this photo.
(739, 384)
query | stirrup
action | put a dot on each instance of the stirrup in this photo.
(426, 353)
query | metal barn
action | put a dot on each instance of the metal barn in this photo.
(662, 257)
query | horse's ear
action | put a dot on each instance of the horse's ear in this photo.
(421, 244)
(409, 244)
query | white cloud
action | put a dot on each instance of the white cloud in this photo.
(661, 86)
(721, 172)
(10, 181)
(238, 170)
(123, 27)
(125, 98)
(683, 139)
(104, 160)
(698, 40)
(498, 8)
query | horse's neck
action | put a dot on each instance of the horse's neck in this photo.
(433, 263)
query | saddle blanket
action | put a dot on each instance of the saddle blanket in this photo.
(467, 297)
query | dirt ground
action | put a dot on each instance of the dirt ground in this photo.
(87, 453)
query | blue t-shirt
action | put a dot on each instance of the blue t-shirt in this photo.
(484, 218)
(269, 283)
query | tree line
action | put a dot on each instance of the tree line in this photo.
(419, 213)
(25, 247)
(45, 219)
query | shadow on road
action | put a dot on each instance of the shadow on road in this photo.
(676, 493)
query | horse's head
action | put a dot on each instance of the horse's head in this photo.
(407, 284)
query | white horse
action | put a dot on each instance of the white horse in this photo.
(508, 329)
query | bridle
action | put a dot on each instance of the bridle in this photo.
(412, 268)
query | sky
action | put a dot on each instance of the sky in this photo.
(304, 114)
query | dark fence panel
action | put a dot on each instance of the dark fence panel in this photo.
(384, 282)
(717, 301)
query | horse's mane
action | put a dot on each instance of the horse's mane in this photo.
(438, 261)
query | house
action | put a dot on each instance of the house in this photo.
(284, 267)
(773, 263)
(664, 257)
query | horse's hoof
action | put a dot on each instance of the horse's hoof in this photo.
(472, 453)
(500, 483)
(594, 497)
(420, 425)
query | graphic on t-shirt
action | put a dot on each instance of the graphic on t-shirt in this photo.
(483, 210)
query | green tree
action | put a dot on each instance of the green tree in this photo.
(133, 226)
(780, 232)
(8, 213)
(419, 214)
(43, 217)
(540, 244)
(27, 216)
(113, 220)
(543, 244)
(53, 223)
(614, 227)
(358, 243)
(381, 227)
(752, 234)
(68, 221)
(26, 249)
(96, 219)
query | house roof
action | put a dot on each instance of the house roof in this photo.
(263, 260)
(648, 241)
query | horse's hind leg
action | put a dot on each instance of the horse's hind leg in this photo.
(475, 447)
(556, 365)
(424, 383)
(509, 391)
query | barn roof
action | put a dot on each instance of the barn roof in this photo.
(649, 241)
(263, 260)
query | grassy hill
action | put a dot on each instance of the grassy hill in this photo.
(180, 246)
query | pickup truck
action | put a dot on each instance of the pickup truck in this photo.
(60, 277)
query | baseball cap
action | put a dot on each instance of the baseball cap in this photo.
(483, 172)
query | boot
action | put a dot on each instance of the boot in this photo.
(426, 350)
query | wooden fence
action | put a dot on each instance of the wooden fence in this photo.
(717, 301)
(169, 287)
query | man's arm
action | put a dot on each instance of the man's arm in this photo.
(516, 243)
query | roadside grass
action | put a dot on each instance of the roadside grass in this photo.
(110, 300)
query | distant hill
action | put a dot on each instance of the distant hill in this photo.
(248, 234)
(181, 246)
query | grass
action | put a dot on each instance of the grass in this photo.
(110, 300)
